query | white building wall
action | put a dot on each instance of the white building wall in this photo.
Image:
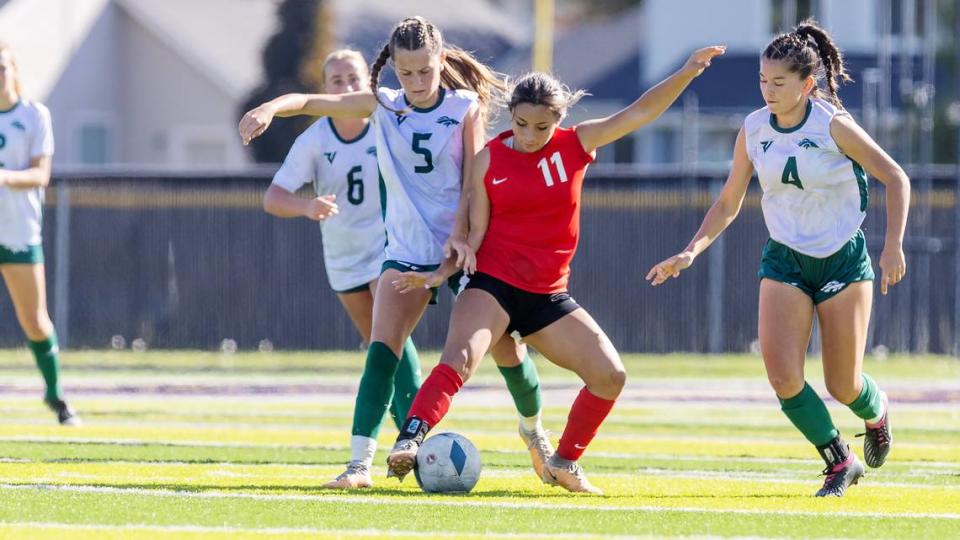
(172, 114)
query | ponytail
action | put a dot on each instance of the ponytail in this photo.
(830, 58)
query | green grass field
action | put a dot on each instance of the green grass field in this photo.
(191, 445)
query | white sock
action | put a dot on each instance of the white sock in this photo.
(531, 423)
(362, 449)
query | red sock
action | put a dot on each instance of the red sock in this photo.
(435, 395)
(586, 415)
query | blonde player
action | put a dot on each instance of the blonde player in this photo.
(427, 134)
(26, 148)
(339, 158)
(810, 157)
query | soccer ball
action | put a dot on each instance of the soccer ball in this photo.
(447, 463)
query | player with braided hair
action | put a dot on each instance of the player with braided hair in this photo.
(811, 158)
(427, 133)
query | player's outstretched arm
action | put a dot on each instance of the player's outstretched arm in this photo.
(858, 146)
(720, 215)
(479, 209)
(281, 203)
(596, 133)
(37, 175)
(352, 105)
(474, 129)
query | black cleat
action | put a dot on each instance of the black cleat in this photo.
(840, 477)
(65, 414)
(878, 438)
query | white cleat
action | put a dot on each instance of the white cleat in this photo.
(357, 476)
(568, 475)
(538, 443)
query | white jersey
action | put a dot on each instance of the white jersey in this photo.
(814, 197)
(25, 134)
(353, 239)
(421, 161)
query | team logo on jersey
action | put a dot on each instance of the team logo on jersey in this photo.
(499, 180)
(765, 145)
(401, 118)
(17, 124)
(447, 121)
(807, 143)
(330, 156)
(832, 287)
(372, 151)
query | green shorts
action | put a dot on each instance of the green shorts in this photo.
(820, 279)
(453, 281)
(351, 290)
(31, 255)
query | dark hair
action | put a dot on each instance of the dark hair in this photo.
(460, 68)
(809, 50)
(538, 88)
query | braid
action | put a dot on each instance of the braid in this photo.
(830, 57)
(375, 74)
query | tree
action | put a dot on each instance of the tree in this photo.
(291, 63)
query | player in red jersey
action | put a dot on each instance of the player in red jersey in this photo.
(524, 226)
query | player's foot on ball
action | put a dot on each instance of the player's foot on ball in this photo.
(878, 438)
(840, 477)
(568, 475)
(357, 476)
(402, 458)
(65, 414)
(538, 443)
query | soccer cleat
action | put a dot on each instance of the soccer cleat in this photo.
(402, 458)
(539, 446)
(840, 477)
(878, 438)
(357, 476)
(568, 475)
(65, 415)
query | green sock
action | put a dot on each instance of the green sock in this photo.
(868, 404)
(524, 386)
(376, 390)
(807, 411)
(405, 384)
(46, 353)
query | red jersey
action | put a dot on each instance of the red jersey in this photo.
(534, 212)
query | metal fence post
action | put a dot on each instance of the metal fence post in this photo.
(61, 275)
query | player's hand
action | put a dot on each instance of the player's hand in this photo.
(466, 257)
(670, 268)
(893, 266)
(700, 59)
(321, 208)
(413, 281)
(255, 122)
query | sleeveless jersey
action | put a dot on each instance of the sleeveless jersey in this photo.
(353, 240)
(25, 133)
(814, 197)
(421, 162)
(534, 212)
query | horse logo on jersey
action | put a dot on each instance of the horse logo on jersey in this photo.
(447, 121)
(17, 124)
(766, 145)
(330, 156)
(807, 143)
(372, 151)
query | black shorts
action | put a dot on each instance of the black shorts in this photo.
(529, 312)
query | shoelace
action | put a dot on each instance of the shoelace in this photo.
(879, 433)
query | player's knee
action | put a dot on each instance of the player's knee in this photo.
(844, 391)
(785, 385)
(618, 379)
(37, 326)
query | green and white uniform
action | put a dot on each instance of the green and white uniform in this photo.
(421, 162)
(25, 134)
(353, 240)
(814, 200)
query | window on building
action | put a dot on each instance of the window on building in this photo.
(785, 14)
(93, 144)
